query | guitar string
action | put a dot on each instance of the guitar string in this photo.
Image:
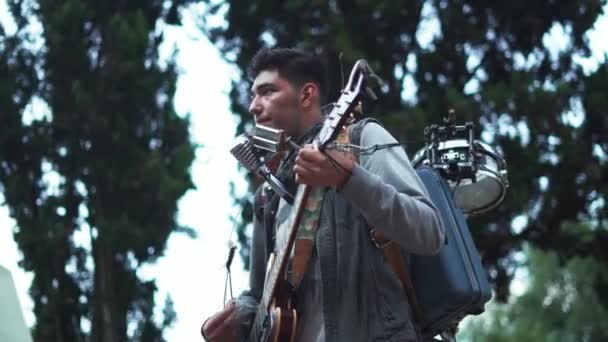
(355, 150)
(360, 150)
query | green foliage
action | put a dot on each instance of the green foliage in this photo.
(109, 162)
(488, 61)
(563, 302)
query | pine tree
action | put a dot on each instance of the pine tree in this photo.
(93, 184)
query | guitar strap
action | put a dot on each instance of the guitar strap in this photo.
(271, 203)
(305, 237)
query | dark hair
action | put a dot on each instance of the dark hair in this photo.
(295, 65)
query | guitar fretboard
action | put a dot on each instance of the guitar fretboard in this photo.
(282, 255)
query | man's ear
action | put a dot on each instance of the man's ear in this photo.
(309, 95)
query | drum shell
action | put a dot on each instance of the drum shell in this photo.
(478, 176)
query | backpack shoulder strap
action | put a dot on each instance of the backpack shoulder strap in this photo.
(392, 251)
(356, 129)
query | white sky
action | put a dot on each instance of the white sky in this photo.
(191, 272)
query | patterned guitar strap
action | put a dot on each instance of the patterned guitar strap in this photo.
(305, 236)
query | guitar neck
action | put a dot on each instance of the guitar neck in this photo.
(282, 256)
(278, 267)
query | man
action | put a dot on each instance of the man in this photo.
(349, 291)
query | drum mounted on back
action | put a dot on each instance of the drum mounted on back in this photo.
(476, 172)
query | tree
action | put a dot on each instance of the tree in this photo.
(107, 163)
(490, 62)
(564, 301)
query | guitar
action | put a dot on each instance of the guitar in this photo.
(276, 318)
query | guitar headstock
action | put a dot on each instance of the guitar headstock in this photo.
(347, 102)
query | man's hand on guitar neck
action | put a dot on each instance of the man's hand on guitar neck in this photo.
(328, 168)
(221, 327)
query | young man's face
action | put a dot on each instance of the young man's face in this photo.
(275, 103)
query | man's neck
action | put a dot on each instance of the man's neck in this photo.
(309, 133)
(310, 120)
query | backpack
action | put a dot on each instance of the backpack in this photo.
(444, 288)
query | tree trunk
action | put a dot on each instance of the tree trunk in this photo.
(105, 313)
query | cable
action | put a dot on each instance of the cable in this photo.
(228, 282)
(332, 161)
(230, 258)
(359, 150)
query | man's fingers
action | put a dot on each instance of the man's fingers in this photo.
(302, 174)
(308, 175)
(216, 320)
(307, 179)
(224, 329)
(310, 154)
(315, 167)
(304, 164)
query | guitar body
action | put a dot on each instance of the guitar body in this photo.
(283, 324)
(278, 324)
(282, 317)
(278, 321)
